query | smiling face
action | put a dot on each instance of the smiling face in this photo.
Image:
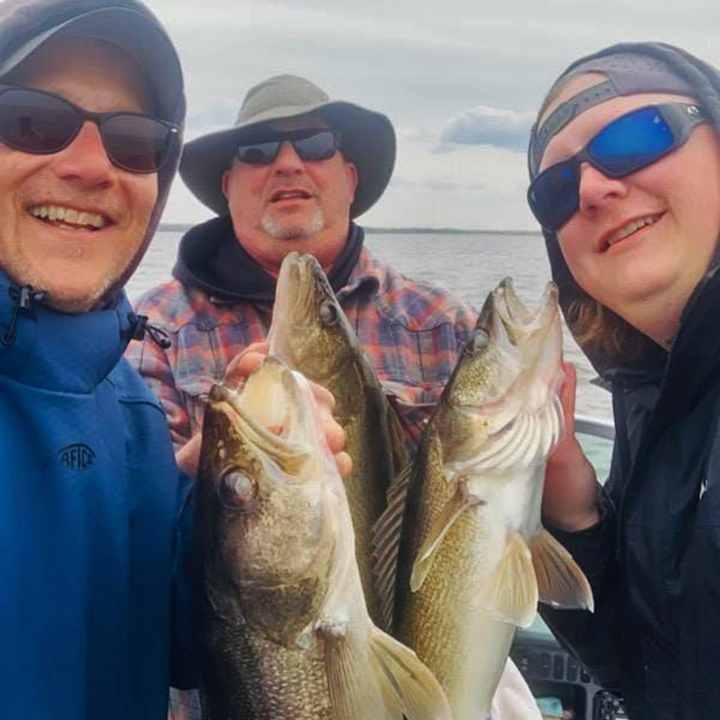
(71, 222)
(291, 204)
(640, 244)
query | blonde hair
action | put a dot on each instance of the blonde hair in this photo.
(596, 327)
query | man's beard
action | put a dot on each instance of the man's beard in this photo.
(69, 300)
(293, 232)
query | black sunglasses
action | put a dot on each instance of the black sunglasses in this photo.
(627, 144)
(41, 123)
(310, 144)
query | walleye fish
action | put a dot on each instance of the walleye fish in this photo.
(462, 555)
(311, 333)
(283, 624)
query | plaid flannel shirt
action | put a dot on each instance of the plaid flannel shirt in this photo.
(411, 331)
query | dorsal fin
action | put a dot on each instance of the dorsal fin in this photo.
(397, 440)
(386, 540)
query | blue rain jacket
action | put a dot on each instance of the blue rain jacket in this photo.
(89, 503)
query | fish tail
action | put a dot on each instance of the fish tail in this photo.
(383, 680)
(409, 688)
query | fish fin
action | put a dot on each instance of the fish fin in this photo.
(561, 582)
(511, 595)
(397, 442)
(408, 687)
(386, 540)
(526, 439)
(439, 527)
(353, 690)
(384, 680)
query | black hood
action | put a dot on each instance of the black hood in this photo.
(705, 83)
(211, 259)
(22, 21)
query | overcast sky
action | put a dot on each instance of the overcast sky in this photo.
(460, 79)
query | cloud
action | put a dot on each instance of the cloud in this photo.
(458, 80)
(482, 125)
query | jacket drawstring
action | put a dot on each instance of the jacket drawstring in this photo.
(139, 327)
(24, 298)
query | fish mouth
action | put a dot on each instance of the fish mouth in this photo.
(519, 321)
(270, 413)
(296, 302)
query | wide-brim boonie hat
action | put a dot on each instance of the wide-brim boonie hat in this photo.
(121, 25)
(367, 140)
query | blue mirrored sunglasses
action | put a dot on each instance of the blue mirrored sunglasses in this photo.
(627, 144)
(311, 144)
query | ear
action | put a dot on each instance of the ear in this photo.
(352, 178)
(225, 184)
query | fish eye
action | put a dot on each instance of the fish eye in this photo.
(236, 488)
(328, 313)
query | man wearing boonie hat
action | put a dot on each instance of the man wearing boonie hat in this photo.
(292, 174)
(91, 114)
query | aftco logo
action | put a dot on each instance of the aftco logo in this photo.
(77, 457)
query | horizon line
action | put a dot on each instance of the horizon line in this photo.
(177, 227)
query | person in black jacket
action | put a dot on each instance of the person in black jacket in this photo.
(625, 169)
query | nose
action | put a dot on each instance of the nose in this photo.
(597, 189)
(288, 162)
(85, 158)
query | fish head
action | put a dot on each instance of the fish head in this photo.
(537, 337)
(265, 497)
(511, 367)
(309, 328)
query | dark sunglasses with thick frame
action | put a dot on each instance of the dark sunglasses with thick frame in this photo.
(625, 145)
(310, 144)
(42, 123)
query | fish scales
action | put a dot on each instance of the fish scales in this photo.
(442, 622)
(257, 679)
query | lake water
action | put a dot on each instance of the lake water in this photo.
(469, 265)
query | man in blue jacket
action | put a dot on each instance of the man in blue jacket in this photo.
(91, 114)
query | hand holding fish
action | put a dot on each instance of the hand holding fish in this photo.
(237, 371)
(243, 364)
(571, 487)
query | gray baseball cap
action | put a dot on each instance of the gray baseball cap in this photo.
(626, 73)
(132, 31)
(367, 139)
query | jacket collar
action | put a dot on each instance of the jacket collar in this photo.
(695, 352)
(212, 260)
(693, 359)
(57, 351)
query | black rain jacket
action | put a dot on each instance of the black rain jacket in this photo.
(653, 560)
